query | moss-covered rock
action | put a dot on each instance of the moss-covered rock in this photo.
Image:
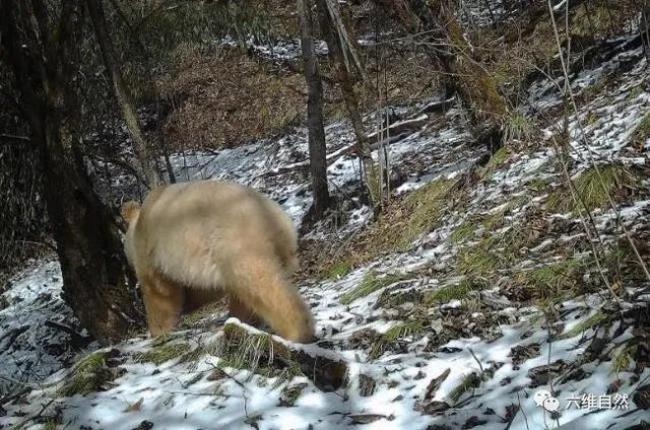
(162, 353)
(262, 354)
(90, 374)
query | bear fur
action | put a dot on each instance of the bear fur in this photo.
(191, 243)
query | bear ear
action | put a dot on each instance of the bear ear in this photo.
(130, 211)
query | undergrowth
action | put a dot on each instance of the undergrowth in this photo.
(594, 187)
(370, 283)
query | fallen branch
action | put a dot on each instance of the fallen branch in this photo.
(77, 338)
(397, 131)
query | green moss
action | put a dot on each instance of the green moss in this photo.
(339, 270)
(479, 259)
(538, 184)
(642, 131)
(162, 353)
(370, 283)
(192, 319)
(594, 187)
(554, 280)
(403, 223)
(87, 376)
(597, 318)
(454, 292)
(464, 231)
(590, 22)
(623, 358)
(518, 126)
(497, 160)
(469, 382)
(395, 333)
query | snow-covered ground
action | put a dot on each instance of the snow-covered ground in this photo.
(33, 344)
(484, 361)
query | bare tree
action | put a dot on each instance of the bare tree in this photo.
(347, 66)
(317, 147)
(41, 51)
(462, 73)
(122, 93)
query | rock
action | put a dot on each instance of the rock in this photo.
(435, 384)
(420, 375)
(366, 385)
(144, 425)
(326, 373)
(641, 397)
(434, 407)
(521, 353)
(291, 393)
(216, 375)
(643, 425)
(449, 349)
(541, 375)
(368, 418)
(473, 422)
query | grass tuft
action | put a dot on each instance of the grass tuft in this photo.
(464, 231)
(642, 132)
(370, 283)
(553, 280)
(593, 189)
(88, 375)
(258, 353)
(596, 319)
(394, 334)
(497, 160)
(407, 220)
(339, 270)
(401, 223)
(623, 358)
(454, 292)
(469, 382)
(159, 354)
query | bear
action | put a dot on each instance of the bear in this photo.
(192, 243)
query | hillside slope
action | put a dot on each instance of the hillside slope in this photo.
(478, 289)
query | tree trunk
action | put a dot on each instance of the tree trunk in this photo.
(317, 147)
(332, 32)
(476, 88)
(88, 245)
(122, 94)
(462, 73)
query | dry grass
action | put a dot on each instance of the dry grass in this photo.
(396, 230)
(595, 188)
(229, 99)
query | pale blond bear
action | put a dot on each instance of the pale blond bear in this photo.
(192, 242)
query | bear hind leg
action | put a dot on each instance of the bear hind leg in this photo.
(261, 287)
(239, 310)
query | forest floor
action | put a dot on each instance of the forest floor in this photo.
(480, 295)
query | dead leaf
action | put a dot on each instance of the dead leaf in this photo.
(136, 407)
